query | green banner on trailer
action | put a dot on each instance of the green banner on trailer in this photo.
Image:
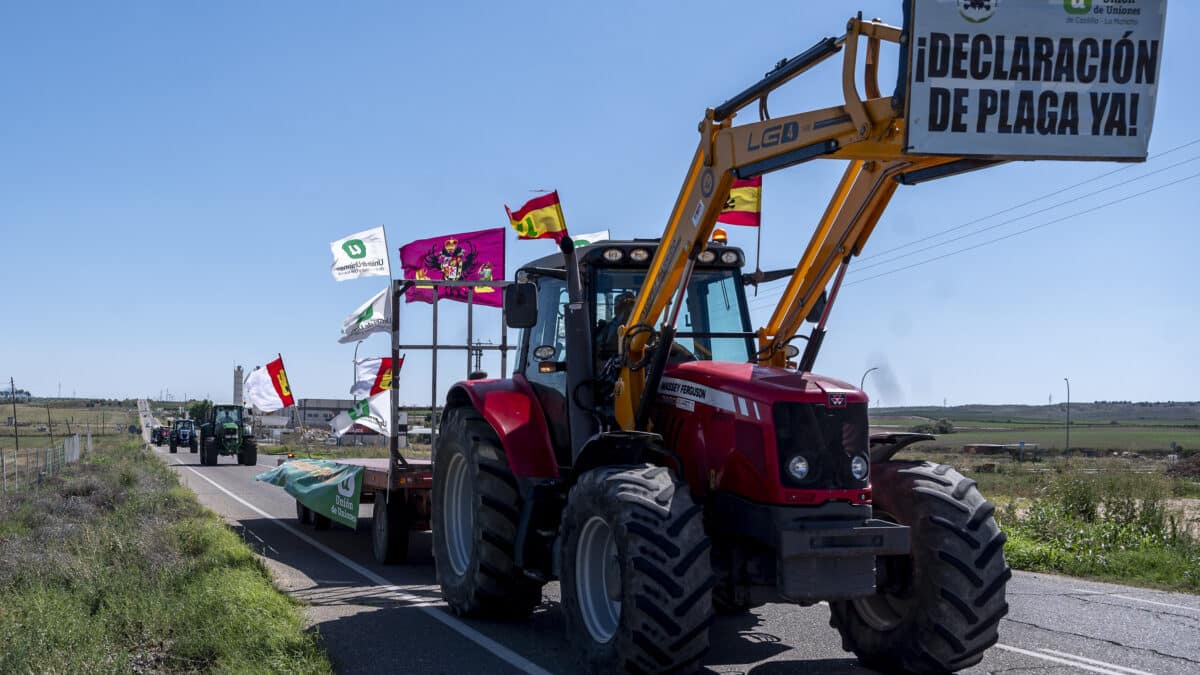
(324, 486)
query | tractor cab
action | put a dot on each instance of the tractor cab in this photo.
(714, 319)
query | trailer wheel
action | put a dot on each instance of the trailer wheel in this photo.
(304, 515)
(475, 511)
(389, 528)
(636, 575)
(938, 609)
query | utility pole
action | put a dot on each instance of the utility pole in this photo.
(1068, 381)
(12, 388)
(49, 426)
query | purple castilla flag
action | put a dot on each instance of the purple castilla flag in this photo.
(468, 256)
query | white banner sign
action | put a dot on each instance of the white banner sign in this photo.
(362, 254)
(1034, 79)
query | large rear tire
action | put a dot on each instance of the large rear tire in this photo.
(476, 509)
(389, 528)
(192, 446)
(636, 575)
(938, 609)
(173, 448)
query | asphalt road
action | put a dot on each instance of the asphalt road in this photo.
(385, 619)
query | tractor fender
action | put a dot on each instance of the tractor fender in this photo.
(885, 446)
(623, 447)
(512, 409)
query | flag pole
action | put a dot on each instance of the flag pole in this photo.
(758, 253)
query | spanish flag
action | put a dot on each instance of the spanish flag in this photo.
(744, 205)
(540, 218)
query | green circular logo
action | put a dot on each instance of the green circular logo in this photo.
(355, 248)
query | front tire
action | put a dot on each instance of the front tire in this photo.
(476, 509)
(173, 447)
(208, 452)
(636, 576)
(938, 609)
(249, 453)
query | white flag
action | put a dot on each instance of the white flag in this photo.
(268, 389)
(371, 413)
(590, 238)
(373, 316)
(362, 254)
(372, 376)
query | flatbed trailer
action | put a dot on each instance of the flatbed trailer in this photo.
(404, 484)
(405, 501)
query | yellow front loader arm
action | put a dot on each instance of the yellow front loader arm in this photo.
(868, 132)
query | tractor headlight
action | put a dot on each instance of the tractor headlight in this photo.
(729, 257)
(613, 254)
(859, 467)
(706, 256)
(639, 255)
(798, 467)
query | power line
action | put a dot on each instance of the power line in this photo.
(1028, 229)
(774, 293)
(1027, 203)
(1021, 217)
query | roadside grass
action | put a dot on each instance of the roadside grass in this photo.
(1111, 526)
(113, 566)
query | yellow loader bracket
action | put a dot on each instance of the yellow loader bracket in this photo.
(971, 93)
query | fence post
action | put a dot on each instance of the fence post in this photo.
(4, 472)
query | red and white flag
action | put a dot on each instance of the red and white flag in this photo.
(267, 388)
(372, 376)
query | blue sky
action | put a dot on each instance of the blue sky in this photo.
(172, 175)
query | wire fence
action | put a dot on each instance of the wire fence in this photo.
(26, 468)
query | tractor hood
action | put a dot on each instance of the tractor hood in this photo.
(721, 383)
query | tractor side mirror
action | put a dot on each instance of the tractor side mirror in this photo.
(814, 314)
(520, 305)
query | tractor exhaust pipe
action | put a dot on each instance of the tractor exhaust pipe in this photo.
(581, 415)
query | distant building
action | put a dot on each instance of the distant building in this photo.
(317, 412)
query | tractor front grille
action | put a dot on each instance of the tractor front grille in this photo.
(827, 437)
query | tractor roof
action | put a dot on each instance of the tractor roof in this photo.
(593, 254)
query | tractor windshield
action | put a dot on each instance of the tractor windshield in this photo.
(714, 324)
(228, 415)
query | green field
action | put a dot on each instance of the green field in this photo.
(1103, 427)
(66, 416)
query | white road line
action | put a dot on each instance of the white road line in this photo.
(1094, 662)
(1055, 659)
(500, 651)
(1130, 597)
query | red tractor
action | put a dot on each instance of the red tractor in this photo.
(665, 461)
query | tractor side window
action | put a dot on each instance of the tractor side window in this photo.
(550, 330)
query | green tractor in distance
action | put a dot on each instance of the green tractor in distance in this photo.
(227, 432)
